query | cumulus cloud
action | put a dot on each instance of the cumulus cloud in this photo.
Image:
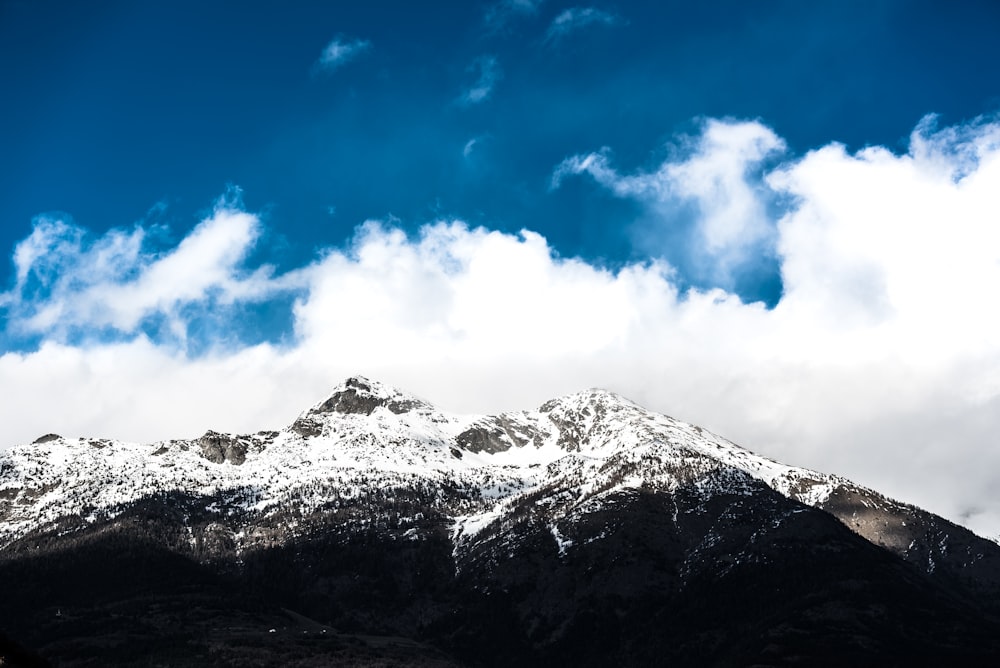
(488, 73)
(710, 187)
(881, 361)
(575, 18)
(340, 51)
(68, 285)
(468, 296)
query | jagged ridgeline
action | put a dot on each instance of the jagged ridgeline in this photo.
(379, 530)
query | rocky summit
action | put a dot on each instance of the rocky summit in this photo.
(378, 530)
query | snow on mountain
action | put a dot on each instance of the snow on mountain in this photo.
(567, 457)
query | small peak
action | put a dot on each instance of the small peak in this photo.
(358, 394)
(46, 439)
(595, 396)
(363, 384)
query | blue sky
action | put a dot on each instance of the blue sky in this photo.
(125, 111)
(776, 219)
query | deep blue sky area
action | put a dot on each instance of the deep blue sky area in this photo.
(109, 109)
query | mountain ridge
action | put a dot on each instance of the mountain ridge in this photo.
(550, 434)
(587, 481)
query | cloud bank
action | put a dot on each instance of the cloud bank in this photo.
(881, 361)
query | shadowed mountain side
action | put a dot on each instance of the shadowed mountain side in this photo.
(931, 543)
(733, 580)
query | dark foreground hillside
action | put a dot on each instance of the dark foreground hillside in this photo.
(636, 588)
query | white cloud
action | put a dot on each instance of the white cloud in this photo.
(453, 293)
(340, 51)
(731, 222)
(488, 74)
(575, 18)
(881, 361)
(66, 284)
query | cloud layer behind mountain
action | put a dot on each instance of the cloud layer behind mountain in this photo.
(880, 361)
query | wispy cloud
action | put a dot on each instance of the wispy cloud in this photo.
(575, 18)
(488, 73)
(499, 15)
(881, 361)
(340, 51)
(469, 147)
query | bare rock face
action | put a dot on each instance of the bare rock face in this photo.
(488, 438)
(219, 448)
(307, 427)
(355, 396)
(362, 396)
(499, 434)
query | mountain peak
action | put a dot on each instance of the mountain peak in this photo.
(359, 396)
(594, 400)
(591, 395)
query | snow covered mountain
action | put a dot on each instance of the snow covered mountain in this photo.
(507, 504)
